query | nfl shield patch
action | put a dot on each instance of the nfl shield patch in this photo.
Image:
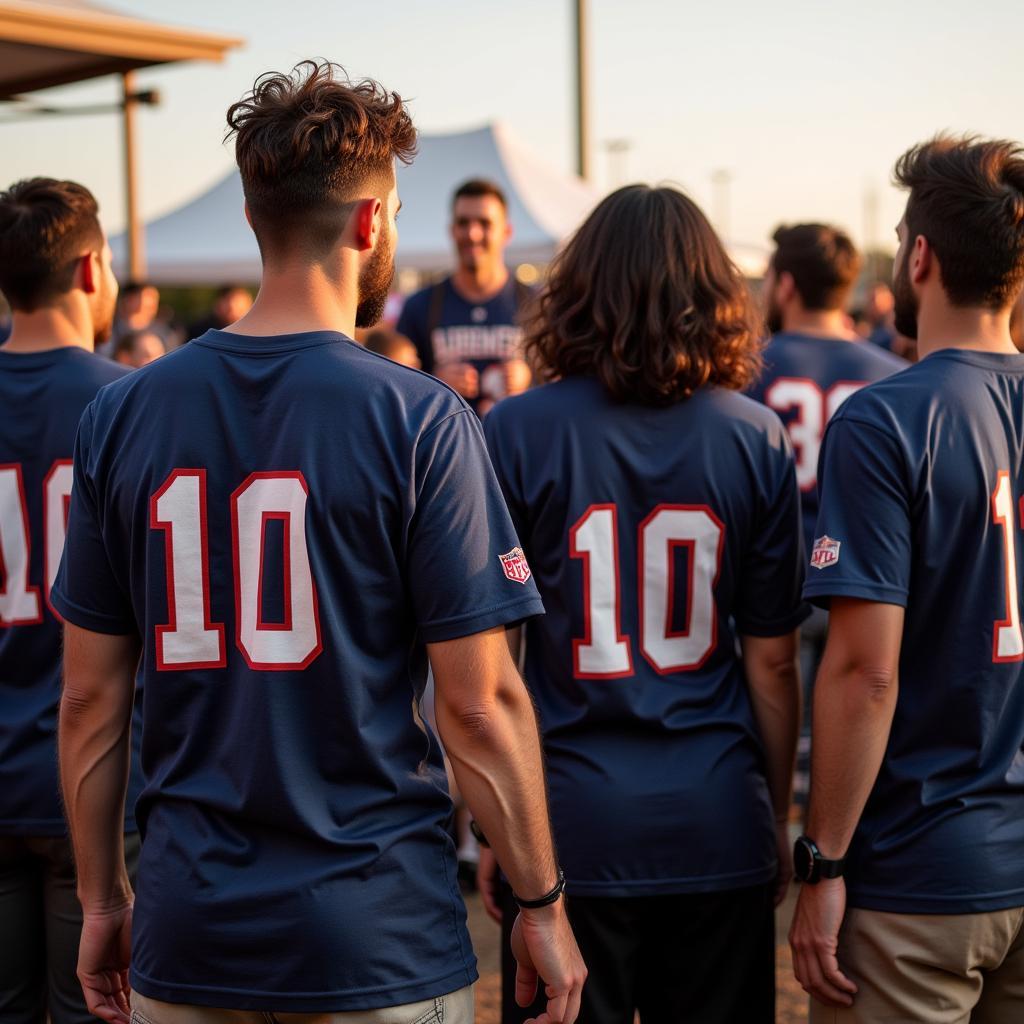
(825, 552)
(514, 566)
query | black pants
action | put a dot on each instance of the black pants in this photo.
(40, 927)
(700, 958)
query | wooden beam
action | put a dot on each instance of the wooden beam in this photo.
(136, 238)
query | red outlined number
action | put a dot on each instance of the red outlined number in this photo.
(19, 600)
(189, 640)
(56, 502)
(604, 652)
(296, 642)
(814, 408)
(1007, 638)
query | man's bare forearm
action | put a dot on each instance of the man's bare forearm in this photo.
(774, 683)
(494, 748)
(94, 747)
(854, 703)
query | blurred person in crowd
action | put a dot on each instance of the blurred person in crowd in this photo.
(232, 302)
(397, 347)
(138, 309)
(138, 348)
(320, 524)
(466, 327)
(55, 273)
(912, 907)
(813, 362)
(878, 315)
(659, 511)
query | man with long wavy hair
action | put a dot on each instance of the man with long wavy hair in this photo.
(285, 556)
(659, 510)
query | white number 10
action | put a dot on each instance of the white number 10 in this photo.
(604, 652)
(190, 640)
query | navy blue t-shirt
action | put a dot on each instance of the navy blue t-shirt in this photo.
(656, 536)
(288, 520)
(42, 396)
(805, 380)
(921, 481)
(483, 334)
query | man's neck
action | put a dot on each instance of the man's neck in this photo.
(47, 329)
(298, 300)
(820, 323)
(482, 284)
(972, 329)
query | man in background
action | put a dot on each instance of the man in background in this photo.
(813, 362)
(232, 302)
(138, 348)
(466, 327)
(138, 309)
(55, 273)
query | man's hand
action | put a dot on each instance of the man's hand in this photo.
(545, 948)
(814, 940)
(518, 376)
(487, 883)
(462, 377)
(103, 957)
(785, 855)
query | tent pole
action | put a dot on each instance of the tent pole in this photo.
(136, 252)
(582, 97)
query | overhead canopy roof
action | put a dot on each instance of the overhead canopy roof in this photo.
(207, 240)
(54, 42)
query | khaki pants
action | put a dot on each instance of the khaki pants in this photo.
(934, 968)
(454, 1008)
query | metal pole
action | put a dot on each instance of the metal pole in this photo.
(582, 98)
(136, 241)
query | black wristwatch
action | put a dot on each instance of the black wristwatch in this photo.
(810, 866)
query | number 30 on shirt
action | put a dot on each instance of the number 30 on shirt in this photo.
(190, 639)
(604, 652)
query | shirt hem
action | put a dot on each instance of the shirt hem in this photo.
(670, 886)
(931, 904)
(303, 1002)
(477, 622)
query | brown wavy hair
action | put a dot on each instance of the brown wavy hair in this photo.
(645, 299)
(310, 144)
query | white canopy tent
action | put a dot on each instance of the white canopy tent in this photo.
(207, 240)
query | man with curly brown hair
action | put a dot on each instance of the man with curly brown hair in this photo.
(659, 511)
(285, 556)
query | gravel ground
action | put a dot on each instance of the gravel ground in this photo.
(791, 1004)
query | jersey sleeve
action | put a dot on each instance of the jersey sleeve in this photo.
(503, 463)
(772, 570)
(466, 571)
(412, 322)
(86, 591)
(862, 544)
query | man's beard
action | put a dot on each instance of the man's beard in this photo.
(905, 303)
(103, 319)
(375, 284)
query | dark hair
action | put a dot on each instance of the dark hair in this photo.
(45, 227)
(480, 187)
(823, 261)
(127, 342)
(308, 145)
(645, 299)
(967, 199)
(386, 341)
(134, 287)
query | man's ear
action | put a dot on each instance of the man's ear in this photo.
(785, 287)
(89, 272)
(367, 219)
(248, 215)
(922, 260)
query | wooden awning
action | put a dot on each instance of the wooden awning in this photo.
(55, 42)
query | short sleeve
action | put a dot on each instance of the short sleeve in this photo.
(772, 572)
(466, 571)
(501, 458)
(862, 544)
(411, 324)
(86, 592)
